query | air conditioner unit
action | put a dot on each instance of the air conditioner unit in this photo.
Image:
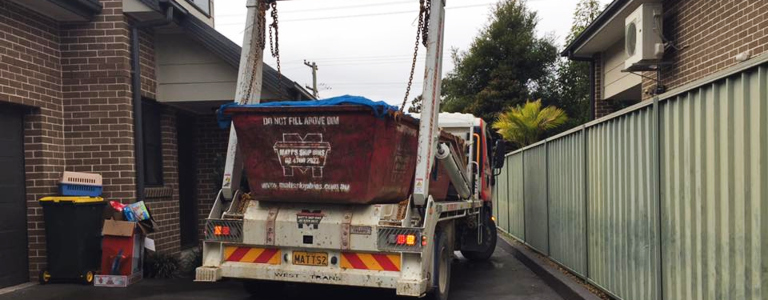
(643, 35)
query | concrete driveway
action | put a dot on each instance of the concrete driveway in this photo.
(503, 277)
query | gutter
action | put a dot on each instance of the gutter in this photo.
(138, 128)
(592, 83)
(84, 8)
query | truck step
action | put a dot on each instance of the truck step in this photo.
(207, 274)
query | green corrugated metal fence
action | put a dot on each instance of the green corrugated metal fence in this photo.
(516, 205)
(665, 200)
(566, 201)
(535, 198)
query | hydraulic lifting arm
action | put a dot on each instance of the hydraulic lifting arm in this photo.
(249, 84)
(430, 106)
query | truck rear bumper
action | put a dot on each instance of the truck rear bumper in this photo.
(318, 275)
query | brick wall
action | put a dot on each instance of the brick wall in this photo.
(165, 207)
(147, 59)
(74, 80)
(709, 34)
(30, 75)
(97, 100)
(211, 140)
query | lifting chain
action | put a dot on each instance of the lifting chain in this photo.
(422, 34)
(260, 41)
(262, 19)
(275, 47)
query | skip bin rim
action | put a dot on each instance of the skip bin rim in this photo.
(346, 108)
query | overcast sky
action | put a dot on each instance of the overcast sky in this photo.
(365, 47)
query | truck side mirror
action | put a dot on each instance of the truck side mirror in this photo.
(500, 150)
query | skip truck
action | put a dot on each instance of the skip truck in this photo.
(347, 191)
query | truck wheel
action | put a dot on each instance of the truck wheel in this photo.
(489, 243)
(442, 270)
(266, 290)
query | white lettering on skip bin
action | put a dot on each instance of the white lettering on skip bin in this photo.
(302, 121)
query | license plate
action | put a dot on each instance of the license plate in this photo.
(310, 258)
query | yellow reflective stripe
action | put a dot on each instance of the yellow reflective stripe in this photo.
(370, 262)
(228, 252)
(275, 260)
(395, 259)
(252, 254)
(345, 263)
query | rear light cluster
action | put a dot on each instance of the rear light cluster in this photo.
(221, 230)
(224, 230)
(400, 239)
(406, 240)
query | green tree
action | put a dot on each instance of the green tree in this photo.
(503, 65)
(568, 86)
(415, 105)
(526, 124)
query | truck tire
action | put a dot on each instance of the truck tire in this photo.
(267, 290)
(489, 243)
(441, 273)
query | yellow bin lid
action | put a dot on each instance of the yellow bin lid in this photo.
(57, 199)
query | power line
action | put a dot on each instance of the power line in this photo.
(369, 83)
(334, 8)
(368, 63)
(380, 14)
(355, 58)
(352, 6)
(363, 15)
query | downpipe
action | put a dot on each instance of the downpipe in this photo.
(138, 118)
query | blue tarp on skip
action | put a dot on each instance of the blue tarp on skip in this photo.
(380, 108)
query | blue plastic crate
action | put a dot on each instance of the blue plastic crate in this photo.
(66, 189)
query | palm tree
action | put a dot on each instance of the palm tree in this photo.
(524, 125)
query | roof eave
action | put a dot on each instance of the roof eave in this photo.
(82, 8)
(592, 29)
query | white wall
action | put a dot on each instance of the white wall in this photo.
(187, 71)
(615, 81)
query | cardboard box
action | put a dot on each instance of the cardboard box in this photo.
(122, 255)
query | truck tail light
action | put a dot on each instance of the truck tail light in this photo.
(404, 240)
(221, 231)
(399, 239)
(224, 230)
(410, 240)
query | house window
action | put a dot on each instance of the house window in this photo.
(153, 151)
(203, 6)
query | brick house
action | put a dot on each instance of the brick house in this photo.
(704, 37)
(66, 103)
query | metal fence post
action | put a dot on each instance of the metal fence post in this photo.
(522, 171)
(585, 165)
(506, 193)
(546, 182)
(656, 148)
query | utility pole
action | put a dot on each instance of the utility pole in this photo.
(313, 66)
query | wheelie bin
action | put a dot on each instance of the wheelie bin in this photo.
(73, 238)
